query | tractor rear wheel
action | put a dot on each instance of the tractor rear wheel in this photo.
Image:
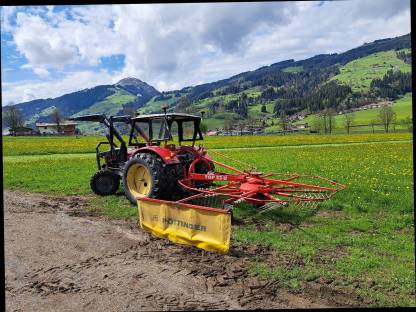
(104, 182)
(144, 176)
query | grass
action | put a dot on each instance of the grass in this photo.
(254, 111)
(362, 240)
(366, 233)
(65, 174)
(359, 73)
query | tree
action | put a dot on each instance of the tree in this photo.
(204, 128)
(269, 94)
(284, 122)
(327, 120)
(240, 126)
(386, 116)
(330, 120)
(229, 123)
(348, 121)
(318, 123)
(130, 111)
(373, 122)
(183, 103)
(251, 122)
(57, 118)
(263, 109)
(12, 118)
(407, 123)
(243, 106)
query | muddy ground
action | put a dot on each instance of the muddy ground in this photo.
(58, 258)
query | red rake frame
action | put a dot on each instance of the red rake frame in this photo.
(256, 188)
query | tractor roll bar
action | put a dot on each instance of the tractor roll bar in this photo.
(101, 118)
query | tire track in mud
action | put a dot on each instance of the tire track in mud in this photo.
(91, 263)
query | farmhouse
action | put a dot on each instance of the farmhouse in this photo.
(302, 126)
(19, 131)
(66, 127)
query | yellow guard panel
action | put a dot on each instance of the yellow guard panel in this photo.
(205, 228)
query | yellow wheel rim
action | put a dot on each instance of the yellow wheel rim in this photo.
(139, 180)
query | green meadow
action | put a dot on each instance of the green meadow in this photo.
(360, 242)
(359, 73)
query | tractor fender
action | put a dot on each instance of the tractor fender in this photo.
(167, 156)
(196, 152)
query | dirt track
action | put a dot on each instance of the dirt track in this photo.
(60, 259)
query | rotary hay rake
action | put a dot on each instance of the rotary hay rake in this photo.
(265, 191)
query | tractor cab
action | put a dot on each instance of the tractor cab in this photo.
(157, 128)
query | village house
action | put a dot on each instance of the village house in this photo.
(302, 126)
(298, 127)
(66, 127)
(20, 131)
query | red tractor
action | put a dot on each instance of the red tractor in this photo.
(149, 166)
(152, 166)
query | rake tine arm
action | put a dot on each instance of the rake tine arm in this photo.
(271, 181)
(299, 191)
(288, 179)
(302, 198)
(225, 166)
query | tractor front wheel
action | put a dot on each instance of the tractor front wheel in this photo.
(143, 176)
(104, 182)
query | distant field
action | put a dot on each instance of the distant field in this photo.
(359, 73)
(13, 146)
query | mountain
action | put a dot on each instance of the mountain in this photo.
(109, 99)
(137, 87)
(371, 72)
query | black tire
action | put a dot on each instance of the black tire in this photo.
(156, 175)
(104, 182)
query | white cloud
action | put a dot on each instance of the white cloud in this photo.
(175, 45)
(41, 44)
(42, 72)
(34, 89)
(27, 95)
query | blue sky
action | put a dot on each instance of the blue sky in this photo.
(47, 51)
